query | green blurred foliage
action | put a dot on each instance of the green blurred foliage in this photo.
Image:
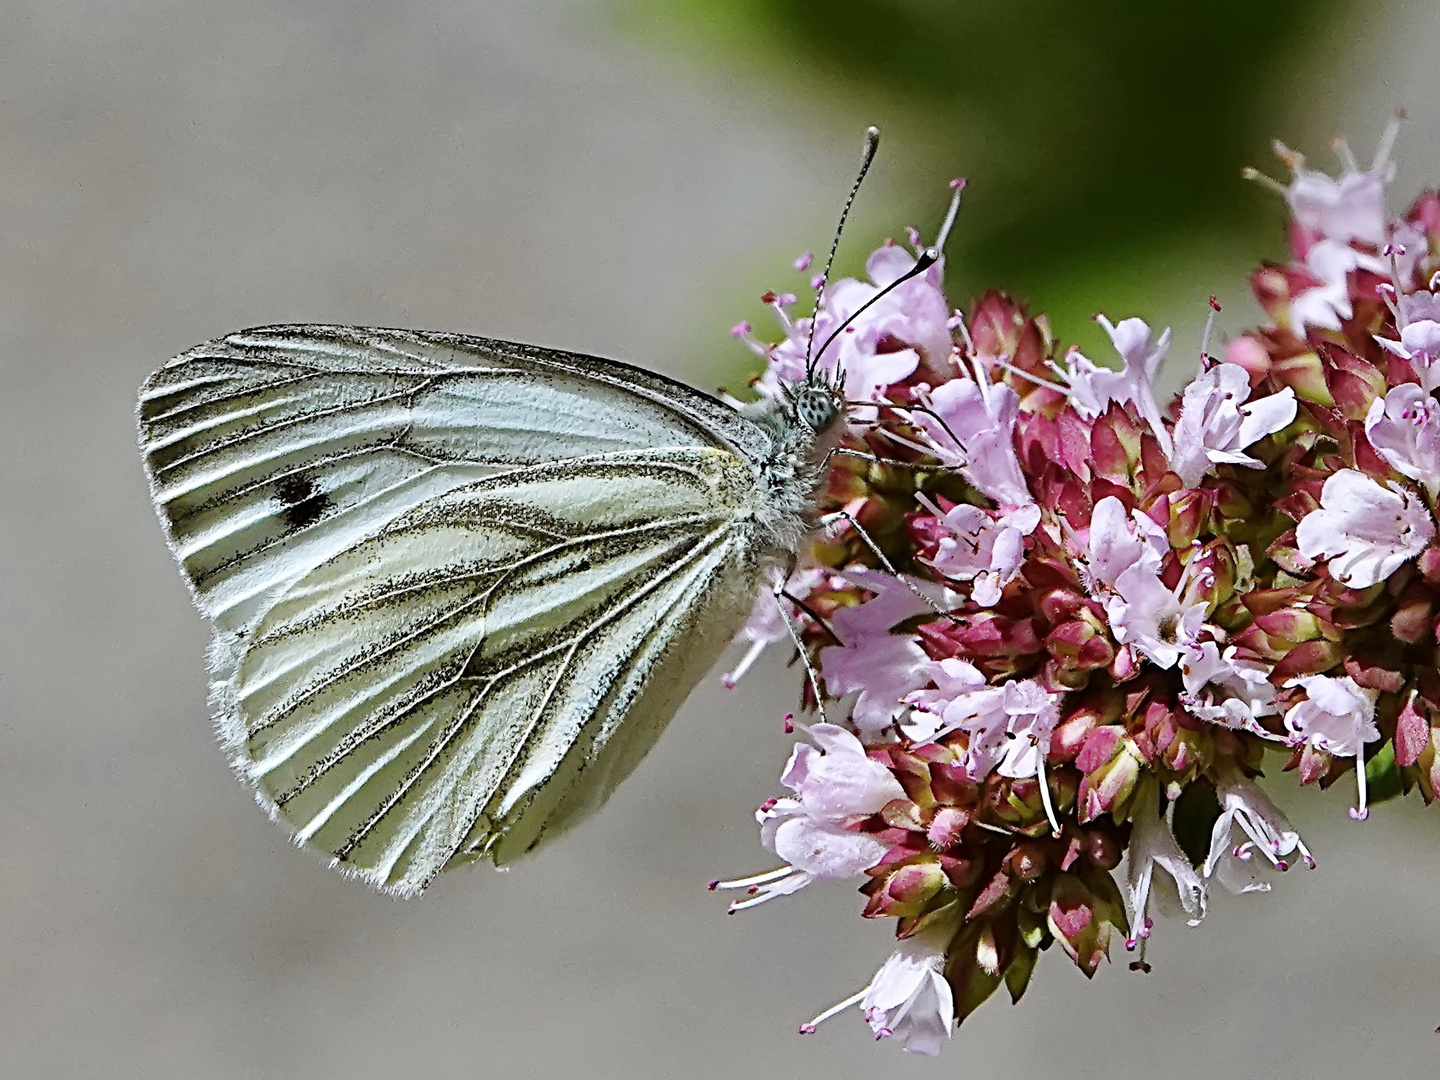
(1103, 141)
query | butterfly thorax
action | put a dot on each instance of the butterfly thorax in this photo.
(804, 425)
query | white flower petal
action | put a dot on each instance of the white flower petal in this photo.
(826, 851)
(1366, 531)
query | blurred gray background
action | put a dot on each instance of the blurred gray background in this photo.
(617, 180)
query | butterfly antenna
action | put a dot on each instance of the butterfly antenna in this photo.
(872, 144)
(926, 260)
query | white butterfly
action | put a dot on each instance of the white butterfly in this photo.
(459, 586)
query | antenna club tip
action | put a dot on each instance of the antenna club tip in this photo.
(1214, 304)
(872, 134)
(959, 183)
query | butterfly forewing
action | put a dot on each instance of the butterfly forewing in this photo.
(272, 449)
(443, 571)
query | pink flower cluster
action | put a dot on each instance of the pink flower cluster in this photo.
(1061, 622)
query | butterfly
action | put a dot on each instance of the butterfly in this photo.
(459, 585)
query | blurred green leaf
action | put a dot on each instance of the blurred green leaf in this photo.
(1382, 775)
(1103, 141)
(1194, 816)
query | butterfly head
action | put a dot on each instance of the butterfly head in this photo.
(817, 404)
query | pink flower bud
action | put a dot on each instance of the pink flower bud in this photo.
(1412, 732)
(1101, 849)
(946, 827)
(903, 814)
(1027, 860)
(1070, 734)
(1101, 746)
(1189, 511)
(1111, 457)
(1105, 788)
(1376, 671)
(1125, 666)
(1305, 374)
(962, 873)
(1314, 764)
(1250, 353)
(1414, 617)
(1290, 625)
(1309, 658)
(1061, 603)
(1354, 381)
(1000, 888)
(906, 890)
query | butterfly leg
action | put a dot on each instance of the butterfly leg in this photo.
(814, 615)
(912, 409)
(914, 466)
(779, 594)
(845, 515)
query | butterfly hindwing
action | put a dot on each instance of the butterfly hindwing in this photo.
(433, 693)
(443, 571)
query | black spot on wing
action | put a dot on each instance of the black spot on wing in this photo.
(303, 502)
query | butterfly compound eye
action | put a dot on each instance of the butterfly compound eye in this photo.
(816, 407)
